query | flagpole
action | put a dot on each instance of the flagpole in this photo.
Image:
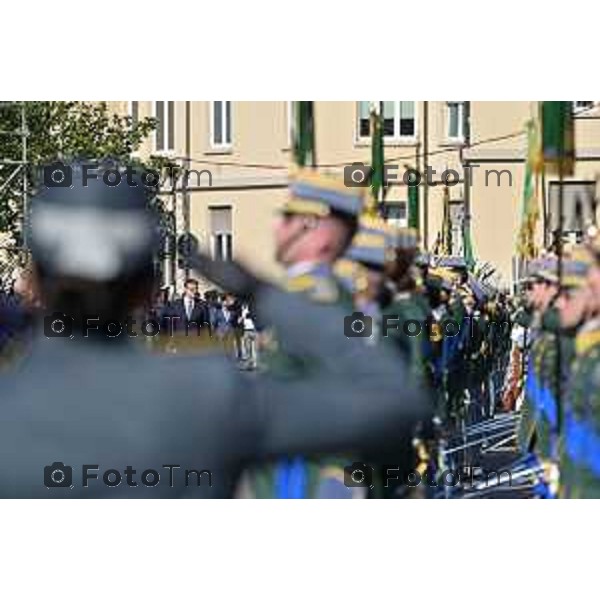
(425, 186)
(380, 194)
(313, 141)
(544, 209)
(559, 250)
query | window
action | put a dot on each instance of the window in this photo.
(457, 221)
(579, 206)
(134, 111)
(220, 232)
(164, 136)
(399, 119)
(221, 123)
(396, 214)
(581, 105)
(407, 119)
(456, 120)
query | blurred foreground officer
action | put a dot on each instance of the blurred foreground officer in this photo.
(317, 224)
(95, 416)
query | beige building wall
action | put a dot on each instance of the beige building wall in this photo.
(250, 176)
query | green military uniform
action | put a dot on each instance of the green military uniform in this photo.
(320, 286)
(545, 364)
(363, 264)
(406, 307)
(543, 331)
(580, 451)
(579, 444)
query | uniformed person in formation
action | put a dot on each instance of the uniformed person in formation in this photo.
(580, 435)
(544, 326)
(368, 253)
(520, 317)
(378, 268)
(89, 414)
(407, 302)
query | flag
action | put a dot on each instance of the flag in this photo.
(413, 206)
(304, 133)
(558, 142)
(377, 159)
(530, 212)
(445, 246)
(468, 245)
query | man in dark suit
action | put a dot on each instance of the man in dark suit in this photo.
(189, 314)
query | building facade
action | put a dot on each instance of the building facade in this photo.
(239, 154)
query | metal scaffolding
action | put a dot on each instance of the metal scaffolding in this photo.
(16, 167)
(13, 254)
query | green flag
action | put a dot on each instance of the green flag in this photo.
(304, 133)
(446, 233)
(377, 157)
(529, 211)
(468, 245)
(558, 143)
(413, 205)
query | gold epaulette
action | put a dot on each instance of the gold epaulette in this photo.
(302, 283)
(436, 332)
(586, 340)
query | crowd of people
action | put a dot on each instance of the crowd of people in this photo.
(229, 319)
(440, 361)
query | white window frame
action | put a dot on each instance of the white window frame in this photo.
(166, 150)
(396, 138)
(461, 121)
(213, 143)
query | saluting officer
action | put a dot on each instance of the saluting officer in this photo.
(317, 224)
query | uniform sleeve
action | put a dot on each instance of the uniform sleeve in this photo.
(360, 399)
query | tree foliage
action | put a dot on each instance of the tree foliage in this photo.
(59, 130)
